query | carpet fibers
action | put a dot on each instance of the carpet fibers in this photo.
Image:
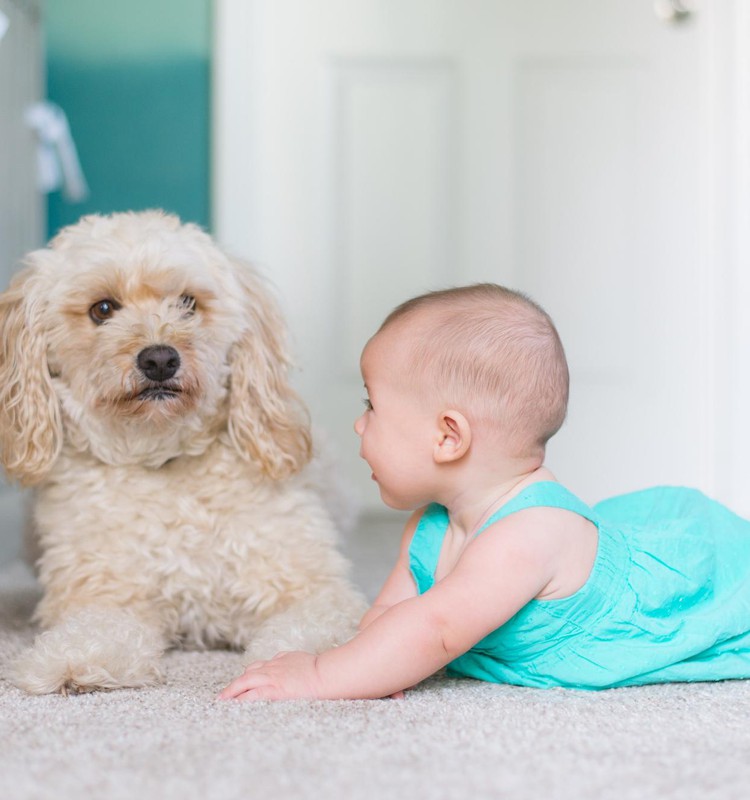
(447, 739)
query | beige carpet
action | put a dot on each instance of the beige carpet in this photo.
(448, 739)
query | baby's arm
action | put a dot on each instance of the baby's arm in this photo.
(399, 585)
(497, 575)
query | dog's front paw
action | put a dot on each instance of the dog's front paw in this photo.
(321, 621)
(90, 650)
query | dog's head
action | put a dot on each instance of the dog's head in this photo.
(136, 338)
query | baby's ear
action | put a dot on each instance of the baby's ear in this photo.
(453, 437)
(30, 422)
(267, 419)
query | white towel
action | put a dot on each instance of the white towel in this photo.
(58, 164)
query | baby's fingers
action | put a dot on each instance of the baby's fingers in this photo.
(250, 679)
(261, 693)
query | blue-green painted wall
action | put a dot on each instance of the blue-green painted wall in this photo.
(133, 76)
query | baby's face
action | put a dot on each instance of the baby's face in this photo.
(398, 428)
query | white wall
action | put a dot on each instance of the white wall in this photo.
(21, 83)
(727, 135)
(22, 217)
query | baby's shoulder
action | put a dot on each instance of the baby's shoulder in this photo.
(558, 541)
(536, 525)
(410, 528)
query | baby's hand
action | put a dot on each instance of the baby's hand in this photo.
(285, 677)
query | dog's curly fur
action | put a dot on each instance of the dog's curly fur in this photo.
(172, 507)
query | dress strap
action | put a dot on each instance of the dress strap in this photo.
(543, 494)
(426, 544)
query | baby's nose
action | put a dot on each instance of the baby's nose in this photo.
(359, 425)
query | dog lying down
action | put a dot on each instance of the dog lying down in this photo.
(144, 392)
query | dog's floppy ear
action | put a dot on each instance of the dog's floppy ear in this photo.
(268, 421)
(30, 422)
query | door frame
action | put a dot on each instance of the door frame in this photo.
(726, 246)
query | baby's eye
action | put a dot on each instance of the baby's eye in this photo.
(368, 404)
(188, 303)
(103, 310)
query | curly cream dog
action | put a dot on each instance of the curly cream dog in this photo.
(143, 390)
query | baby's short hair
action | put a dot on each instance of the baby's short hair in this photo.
(494, 354)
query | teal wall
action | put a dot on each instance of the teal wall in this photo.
(133, 77)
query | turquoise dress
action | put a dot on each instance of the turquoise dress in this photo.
(668, 598)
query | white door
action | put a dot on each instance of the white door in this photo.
(368, 150)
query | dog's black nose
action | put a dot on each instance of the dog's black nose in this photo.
(158, 362)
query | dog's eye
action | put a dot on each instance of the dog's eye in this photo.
(103, 310)
(187, 301)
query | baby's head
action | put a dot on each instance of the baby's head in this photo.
(491, 353)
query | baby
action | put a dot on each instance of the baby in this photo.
(503, 574)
